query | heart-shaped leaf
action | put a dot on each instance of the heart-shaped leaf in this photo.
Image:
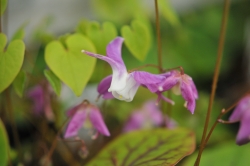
(11, 60)
(19, 83)
(54, 81)
(101, 36)
(69, 64)
(147, 147)
(4, 145)
(137, 39)
(3, 6)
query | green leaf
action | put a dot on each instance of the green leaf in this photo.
(147, 147)
(101, 36)
(54, 81)
(3, 6)
(82, 27)
(226, 154)
(19, 34)
(115, 11)
(11, 60)
(69, 64)
(168, 12)
(19, 83)
(4, 145)
(137, 39)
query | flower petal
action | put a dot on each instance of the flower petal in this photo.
(135, 122)
(97, 121)
(169, 83)
(104, 86)
(242, 107)
(243, 135)
(115, 60)
(128, 92)
(75, 123)
(151, 81)
(187, 94)
(153, 112)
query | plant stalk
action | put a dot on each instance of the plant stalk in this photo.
(215, 77)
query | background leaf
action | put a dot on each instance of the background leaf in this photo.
(168, 12)
(101, 36)
(11, 61)
(3, 6)
(151, 147)
(19, 83)
(69, 64)
(137, 38)
(4, 145)
(19, 34)
(54, 81)
(228, 154)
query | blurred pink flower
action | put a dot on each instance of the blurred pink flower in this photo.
(40, 97)
(148, 117)
(242, 114)
(80, 114)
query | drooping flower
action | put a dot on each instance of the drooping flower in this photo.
(81, 114)
(147, 117)
(123, 85)
(40, 97)
(184, 85)
(242, 114)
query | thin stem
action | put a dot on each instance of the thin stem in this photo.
(215, 78)
(223, 112)
(54, 144)
(158, 36)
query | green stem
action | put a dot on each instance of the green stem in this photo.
(215, 78)
(158, 36)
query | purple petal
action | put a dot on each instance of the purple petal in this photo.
(242, 107)
(135, 122)
(243, 135)
(115, 60)
(161, 97)
(114, 50)
(153, 112)
(113, 57)
(74, 109)
(104, 86)
(75, 123)
(187, 94)
(169, 83)
(151, 81)
(193, 87)
(97, 121)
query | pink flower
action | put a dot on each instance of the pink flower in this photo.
(123, 85)
(80, 114)
(242, 114)
(148, 116)
(40, 97)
